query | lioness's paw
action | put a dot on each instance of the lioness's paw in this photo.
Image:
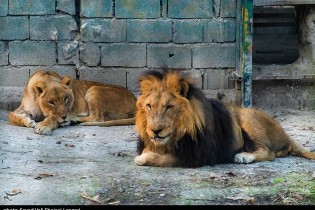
(140, 160)
(66, 123)
(31, 124)
(42, 129)
(244, 157)
(73, 119)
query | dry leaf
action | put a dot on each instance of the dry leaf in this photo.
(11, 193)
(298, 197)
(94, 199)
(115, 202)
(230, 174)
(16, 191)
(69, 145)
(40, 176)
(250, 200)
(214, 176)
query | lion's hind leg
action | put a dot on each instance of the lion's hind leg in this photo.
(259, 155)
(94, 112)
(21, 119)
(91, 118)
(109, 106)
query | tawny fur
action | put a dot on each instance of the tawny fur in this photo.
(50, 101)
(179, 126)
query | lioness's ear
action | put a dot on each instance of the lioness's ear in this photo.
(39, 88)
(55, 74)
(67, 81)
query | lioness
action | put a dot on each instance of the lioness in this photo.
(53, 101)
(179, 126)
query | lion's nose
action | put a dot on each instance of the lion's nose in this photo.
(156, 132)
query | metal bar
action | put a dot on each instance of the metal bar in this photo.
(246, 51)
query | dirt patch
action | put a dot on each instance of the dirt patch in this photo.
(99, 162)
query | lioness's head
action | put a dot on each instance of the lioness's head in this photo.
(54, 96)
(166, 112)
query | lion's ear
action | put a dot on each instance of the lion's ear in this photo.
(176, 84)
(145, 86)
(148, 84)
(40, 88)
(184, 88)
(67, 81)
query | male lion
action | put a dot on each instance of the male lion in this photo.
(55, 101)
(178, 126)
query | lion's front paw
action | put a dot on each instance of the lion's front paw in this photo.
(140, 160)
(42, 129)
(244, 157)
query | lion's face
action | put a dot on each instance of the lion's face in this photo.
(164, 113)
(55, 98)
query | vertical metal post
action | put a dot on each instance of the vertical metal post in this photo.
(246, 42)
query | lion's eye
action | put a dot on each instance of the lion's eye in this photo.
(148, 106)
(66, 99)
(168, 107)
(51, 103)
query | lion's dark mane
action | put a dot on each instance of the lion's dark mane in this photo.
(213, 145)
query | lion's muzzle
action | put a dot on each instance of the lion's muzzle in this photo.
(158, 137)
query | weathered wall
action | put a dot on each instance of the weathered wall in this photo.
(297, 91)
(115, 40)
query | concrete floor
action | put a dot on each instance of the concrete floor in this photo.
(99, 161)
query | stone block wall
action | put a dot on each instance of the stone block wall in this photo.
(115, 40)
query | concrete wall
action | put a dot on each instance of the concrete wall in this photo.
(115, 40)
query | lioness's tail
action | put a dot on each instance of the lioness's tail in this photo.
(298, 150)
(127, 121)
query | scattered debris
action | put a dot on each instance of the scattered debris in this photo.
(248, 200)
(40, 176)
(69, 145)
(120, 154)
(214, 176)
(115, 202)
(230, 174)
(13, 192)
(94, 199)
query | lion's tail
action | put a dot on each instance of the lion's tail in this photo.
(127, 121)
(298, 150)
